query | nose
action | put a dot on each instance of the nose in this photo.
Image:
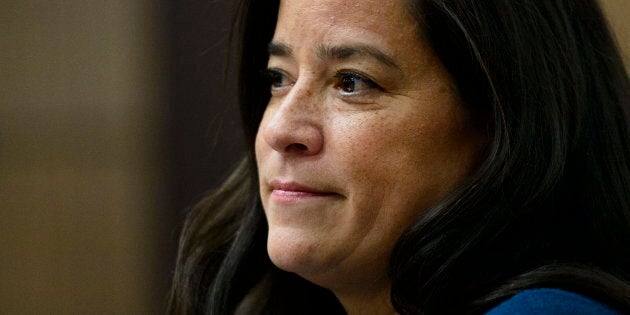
(293, 127)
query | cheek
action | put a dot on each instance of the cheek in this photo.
(402, 163)
(372, 150)
(378, 164)
(261, 148)
(258, 148)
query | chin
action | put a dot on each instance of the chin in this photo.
(300, 254)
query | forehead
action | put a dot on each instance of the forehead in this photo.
(336, 10)
(388, 21)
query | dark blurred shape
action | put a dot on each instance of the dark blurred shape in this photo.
(206, 128)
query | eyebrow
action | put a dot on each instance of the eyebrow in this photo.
(337, 52)
(279, 49)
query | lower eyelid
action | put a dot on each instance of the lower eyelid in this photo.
(280, 90)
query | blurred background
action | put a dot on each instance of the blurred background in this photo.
(115, 117)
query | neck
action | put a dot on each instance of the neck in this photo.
(377, 302)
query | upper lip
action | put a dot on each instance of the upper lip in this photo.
(293, 186)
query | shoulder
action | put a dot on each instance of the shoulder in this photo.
(550, 302)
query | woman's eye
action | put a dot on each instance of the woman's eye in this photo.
(350, 83)
(277, 79)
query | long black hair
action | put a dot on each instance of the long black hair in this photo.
(548, 207)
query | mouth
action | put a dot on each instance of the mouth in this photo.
(289, 192)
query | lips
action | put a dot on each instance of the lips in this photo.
(293, 192)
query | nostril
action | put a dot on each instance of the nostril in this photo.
(297, 147)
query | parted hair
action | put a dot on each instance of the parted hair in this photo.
(549, 206)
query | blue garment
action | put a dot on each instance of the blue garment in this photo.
(550, 302)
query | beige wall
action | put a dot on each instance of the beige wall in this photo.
(81, 101)
(81, 163)
(619, 16)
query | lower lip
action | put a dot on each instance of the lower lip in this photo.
(289, 196)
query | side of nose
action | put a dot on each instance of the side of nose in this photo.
(293, 127)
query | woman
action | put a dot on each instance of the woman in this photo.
(420, 157)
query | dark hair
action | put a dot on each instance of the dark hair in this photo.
(548, 207)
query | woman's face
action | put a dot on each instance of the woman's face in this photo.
(363, 133)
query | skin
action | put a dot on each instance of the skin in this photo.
(374, 158)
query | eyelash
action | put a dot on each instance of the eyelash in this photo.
(275, 78)
(344, 77)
